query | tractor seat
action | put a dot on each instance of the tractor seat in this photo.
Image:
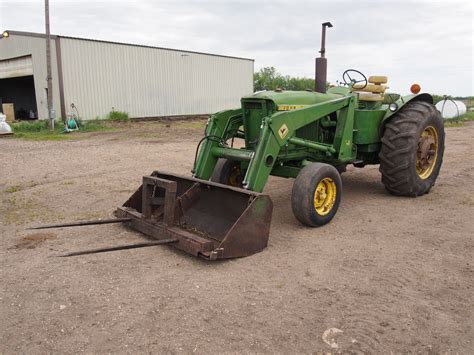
(374, 90)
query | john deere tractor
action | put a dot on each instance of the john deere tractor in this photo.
(312, 136)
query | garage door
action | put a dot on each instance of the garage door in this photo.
(15, 67)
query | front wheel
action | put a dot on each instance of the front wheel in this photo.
(228, 172)
(316, 194)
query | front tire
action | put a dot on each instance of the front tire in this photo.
(316, 194)
(412, 150)
(228, 172)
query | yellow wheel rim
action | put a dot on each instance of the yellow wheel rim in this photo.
(325, 196)
(235, 178)
(427, 152)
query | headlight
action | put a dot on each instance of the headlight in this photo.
(393, 107)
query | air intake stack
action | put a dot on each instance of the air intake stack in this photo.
(322, 63)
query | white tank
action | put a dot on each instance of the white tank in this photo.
(4, 126)
(451, 108)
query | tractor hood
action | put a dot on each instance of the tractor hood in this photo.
(294, 98)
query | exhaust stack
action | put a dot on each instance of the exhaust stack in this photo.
(322, 63)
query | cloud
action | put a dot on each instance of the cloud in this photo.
(429, 42)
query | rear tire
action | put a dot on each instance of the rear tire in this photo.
(412, 150)
(228, 172)
(316, 194)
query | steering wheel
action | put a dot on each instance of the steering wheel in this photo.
(348, 80)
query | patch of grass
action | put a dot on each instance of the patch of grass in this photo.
(468, 116)
(193, 124)
(30, 126)
(22, 211)
(449, 123)
(42, 136)
(13, 189)
(459, 122)
(94, 126)
(38, 130)
(117, 116)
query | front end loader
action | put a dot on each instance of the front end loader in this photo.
(220, 212)
(312, 136)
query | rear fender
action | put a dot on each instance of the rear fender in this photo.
(401, 102)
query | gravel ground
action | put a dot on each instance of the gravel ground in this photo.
(388, 274)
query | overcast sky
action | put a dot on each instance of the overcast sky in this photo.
(428, 42)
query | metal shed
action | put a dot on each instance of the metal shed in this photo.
(98, 76)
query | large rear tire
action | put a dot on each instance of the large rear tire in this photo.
(316, 194)
(412, 150)
(228, 172)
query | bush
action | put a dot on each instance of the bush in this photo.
(30, 126)
(117, 116)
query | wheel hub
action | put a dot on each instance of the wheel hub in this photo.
(235, 177)
(325, 196)
(427, 152)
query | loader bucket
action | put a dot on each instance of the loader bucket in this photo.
(207, 219)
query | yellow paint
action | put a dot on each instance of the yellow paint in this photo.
(378, 79)
(283, 131)
(424, 169)
(325, 196)
(375, 88)
(289, 107)
(234, 176)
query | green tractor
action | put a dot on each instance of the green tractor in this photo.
(221, 211)
(312, 136)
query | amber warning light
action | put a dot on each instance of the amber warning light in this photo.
(415, 89)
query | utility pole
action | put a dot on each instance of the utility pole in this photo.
(49, 78)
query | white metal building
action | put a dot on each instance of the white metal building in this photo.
(97, 76)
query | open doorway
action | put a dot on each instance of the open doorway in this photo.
(20, 92)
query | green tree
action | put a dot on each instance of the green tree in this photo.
(299, 84)
(269, 79)
(438, 98)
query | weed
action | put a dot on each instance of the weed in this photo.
(13, 189)
(117, 116)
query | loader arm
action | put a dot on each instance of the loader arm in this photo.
(220, 127)
(276, 132)
(279, 130)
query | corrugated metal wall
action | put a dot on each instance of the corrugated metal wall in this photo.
(19, 45)
(149, 82)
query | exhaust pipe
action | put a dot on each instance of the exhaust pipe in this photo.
(322, 63)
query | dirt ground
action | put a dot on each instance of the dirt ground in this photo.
(387, 274)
